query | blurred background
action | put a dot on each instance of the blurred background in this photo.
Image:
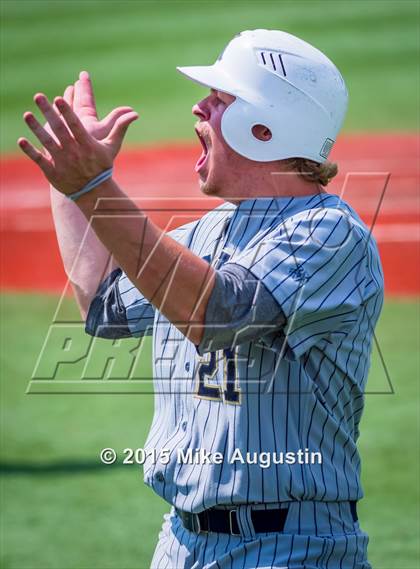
(60, 508)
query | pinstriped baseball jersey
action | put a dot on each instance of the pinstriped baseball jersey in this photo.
(293, 389)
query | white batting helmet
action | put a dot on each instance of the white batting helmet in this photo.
(283, 83)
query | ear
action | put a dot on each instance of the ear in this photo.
(261, 132)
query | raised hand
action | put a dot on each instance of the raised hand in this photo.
(77, 146)
(82, 100)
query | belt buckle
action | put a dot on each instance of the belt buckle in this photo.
(233, 511)
(197, 524)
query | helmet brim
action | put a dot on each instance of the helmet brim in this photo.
(212, 76)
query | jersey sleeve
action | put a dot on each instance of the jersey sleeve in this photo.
(119, 310)
(315, 266)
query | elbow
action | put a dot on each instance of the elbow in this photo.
(195, 334)
(83, 301)
(194, 329)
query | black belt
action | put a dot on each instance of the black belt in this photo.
(225, 521)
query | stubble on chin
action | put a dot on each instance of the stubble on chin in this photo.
(207, 188)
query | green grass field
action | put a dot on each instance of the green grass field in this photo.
(131, 48)
(72, 513)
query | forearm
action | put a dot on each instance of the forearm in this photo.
(86, 260)
(175, 280)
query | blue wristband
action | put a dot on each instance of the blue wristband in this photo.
(92, 184)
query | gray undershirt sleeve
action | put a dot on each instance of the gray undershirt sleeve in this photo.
(240, 309)
(107, 315)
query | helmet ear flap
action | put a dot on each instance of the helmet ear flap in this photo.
(238, 122)
(286, 130)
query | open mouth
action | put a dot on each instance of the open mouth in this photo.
(204, 155)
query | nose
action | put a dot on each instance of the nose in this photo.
(202, 110)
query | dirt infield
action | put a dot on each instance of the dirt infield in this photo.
(163, 178)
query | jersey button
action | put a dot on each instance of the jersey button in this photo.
(187, 366)
(159, 477)
(184, 425)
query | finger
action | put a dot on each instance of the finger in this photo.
(108, 122)
(36, 156)
(68, 95)
(119, 129)
(72, 120)
(84, 101)
(40, 132)
(53, 118)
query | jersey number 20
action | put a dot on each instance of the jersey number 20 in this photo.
(230, 393)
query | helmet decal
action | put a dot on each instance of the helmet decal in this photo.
(272, 61)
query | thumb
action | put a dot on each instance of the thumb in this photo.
(108, 122)
(116, 136)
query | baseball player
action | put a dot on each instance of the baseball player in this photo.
(262, 311)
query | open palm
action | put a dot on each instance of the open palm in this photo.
(81, 99)
(77, 147)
